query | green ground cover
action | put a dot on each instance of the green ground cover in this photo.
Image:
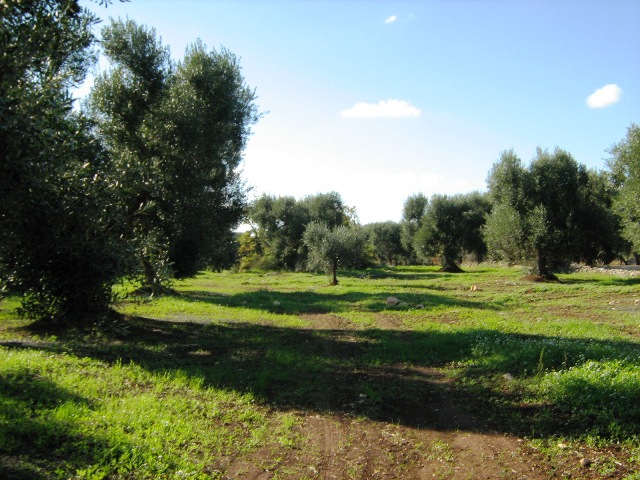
(222, 368)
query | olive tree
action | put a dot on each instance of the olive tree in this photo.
(413, 210)
(175, 133)
(124, 103)
(207, 115)
(385, 240)
(333, 248)
(451, 227)
(537, 210)
(506, 231)
(625, 173)
(599, 239)
(57, 242)
(280, 223)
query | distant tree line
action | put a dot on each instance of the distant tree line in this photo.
(546, 215)
(318, 232)
(142, 182)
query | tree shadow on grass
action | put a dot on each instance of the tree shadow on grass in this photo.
(28, 424)
(610, 281)
(385, 375)
(314, 302)
(406, 273)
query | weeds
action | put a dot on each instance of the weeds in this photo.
(220, 367)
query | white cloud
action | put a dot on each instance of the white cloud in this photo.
(605, 96)
(383, 109)
(391, 19)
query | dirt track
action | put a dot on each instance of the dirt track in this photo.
(448, 441)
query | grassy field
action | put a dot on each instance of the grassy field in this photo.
(277, 375)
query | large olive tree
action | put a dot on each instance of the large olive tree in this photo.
(537, 214)
(125, 103)
(57, 242)
(625, 172)
(207, 116)
(175, 133)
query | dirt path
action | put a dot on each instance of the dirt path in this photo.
(347, 447)
(342, 446)
(443, 440)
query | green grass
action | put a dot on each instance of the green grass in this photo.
(229, 365)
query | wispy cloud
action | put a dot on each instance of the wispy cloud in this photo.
(605, 96)
(391, 19)
(383, 109)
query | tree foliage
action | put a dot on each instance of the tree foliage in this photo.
(625, 173)
(57, 245)
(541, 212)
(328, 208)
(125, 103)
(413, 210)
(333, 248)
(599, 239)
(207, 117)
(451, 227)
(175, 134)
(385, 239)
(280, 223)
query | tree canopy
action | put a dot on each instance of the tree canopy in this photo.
(385, 240)
(175, 133)
(413, 210)
(625, 172)
(452, 226)
(57, 246)
(148, 170)
(332, 248)
(280, 223)
(539, 211)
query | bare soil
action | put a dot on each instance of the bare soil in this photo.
(444, 440)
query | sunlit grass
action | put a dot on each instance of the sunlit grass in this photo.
(95, 419)
(218, 368)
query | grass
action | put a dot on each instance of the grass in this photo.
(229, 366)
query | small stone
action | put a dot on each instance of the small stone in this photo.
(562, 446)
(585, 462)
(420, 307)
(508, 377)
(276, 303)
(392, 301)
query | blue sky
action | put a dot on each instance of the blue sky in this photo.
(378, 100)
